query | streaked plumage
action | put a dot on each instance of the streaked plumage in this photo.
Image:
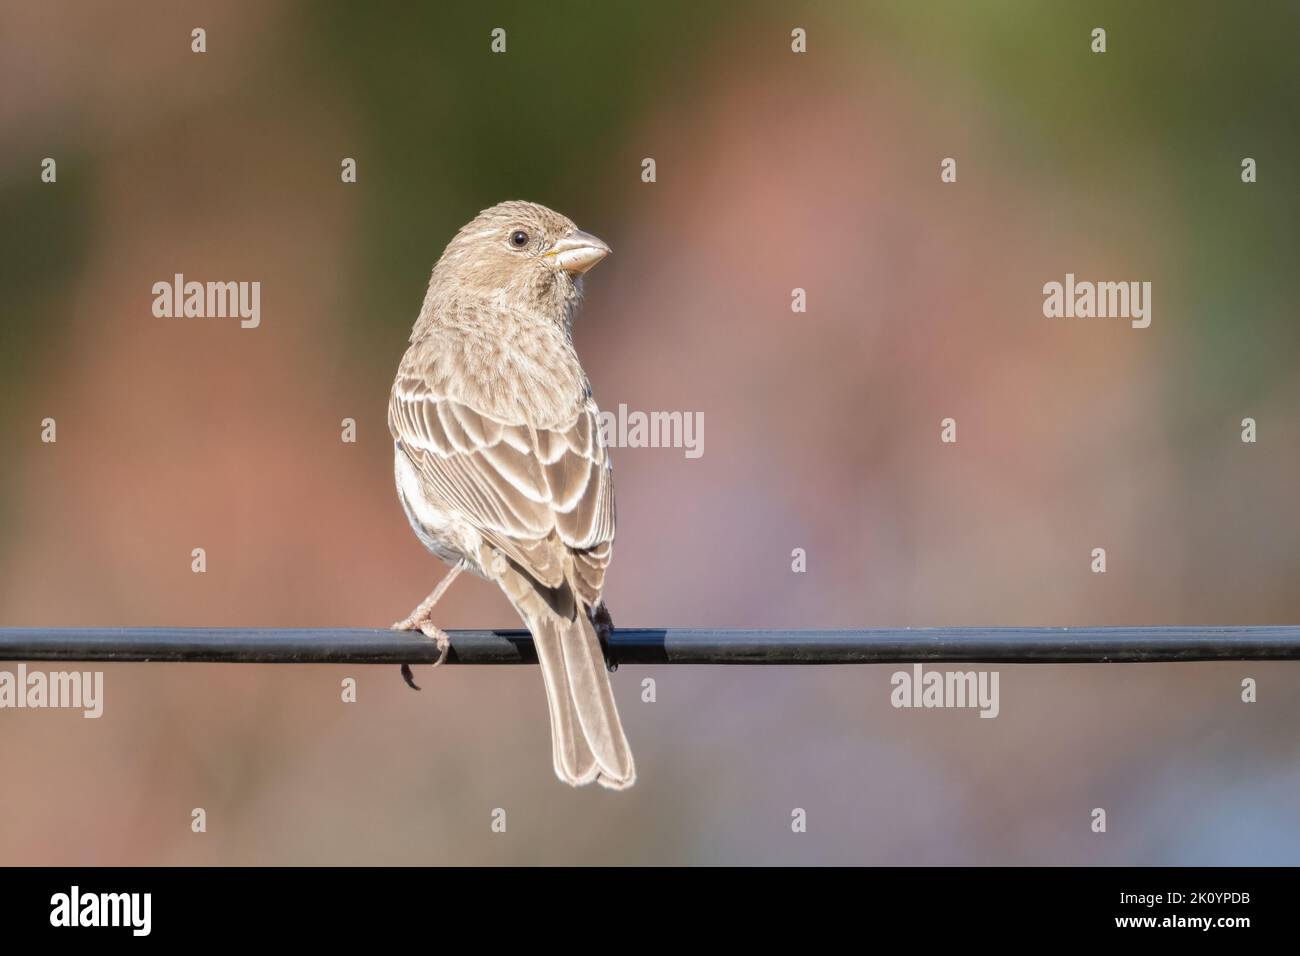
(499, 463)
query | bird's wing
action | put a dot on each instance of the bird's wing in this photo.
(537, 494)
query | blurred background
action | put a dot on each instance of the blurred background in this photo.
(774, 171)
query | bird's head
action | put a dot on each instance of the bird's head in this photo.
(520, 254)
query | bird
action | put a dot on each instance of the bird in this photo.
(500, 464)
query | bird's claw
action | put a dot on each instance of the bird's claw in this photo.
(603, 622)
(409, 677)
(439, 637)
(429, 630)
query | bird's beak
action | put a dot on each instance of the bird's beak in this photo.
(577, 253)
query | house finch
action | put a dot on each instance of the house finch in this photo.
(500, 465)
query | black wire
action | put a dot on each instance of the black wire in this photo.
(662, 645)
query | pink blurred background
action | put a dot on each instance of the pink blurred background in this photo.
(775, 171)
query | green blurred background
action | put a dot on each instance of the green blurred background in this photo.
(774, 171)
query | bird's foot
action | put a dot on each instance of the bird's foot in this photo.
(412, 621)
(418, 622)
(603, 622)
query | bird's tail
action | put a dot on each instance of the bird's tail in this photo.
(586, 735)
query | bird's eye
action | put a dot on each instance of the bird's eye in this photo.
(519, 239)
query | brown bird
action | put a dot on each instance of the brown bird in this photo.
(500, 464)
